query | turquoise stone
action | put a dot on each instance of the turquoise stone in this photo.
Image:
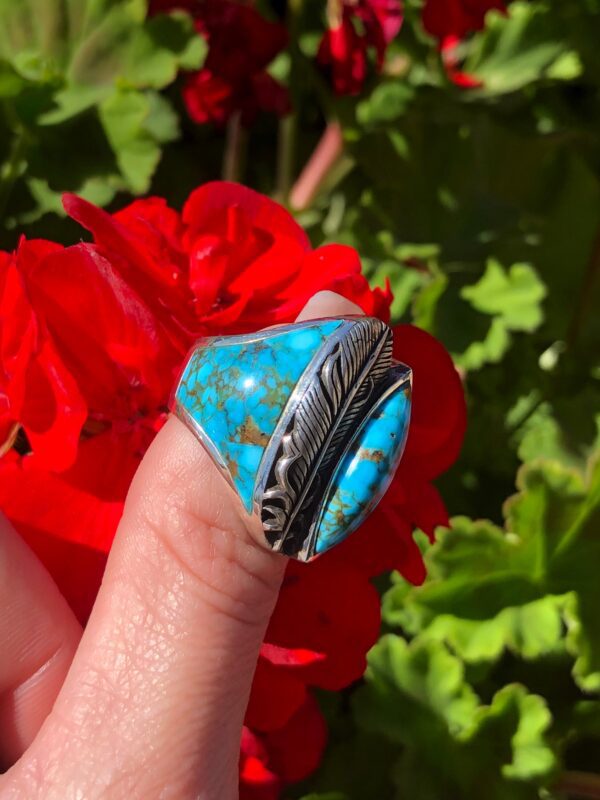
(237, 389)
(366, 470)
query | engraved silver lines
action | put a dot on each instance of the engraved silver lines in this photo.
(349, 378)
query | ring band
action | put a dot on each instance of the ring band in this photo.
(307, 422)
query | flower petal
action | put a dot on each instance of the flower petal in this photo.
(442, 18)
(277, 693)
(328, 608)
(37, 391)
(69, 520)
(105, 334)
(139, 244)
(206, 205)
(296, 749)
(438, 416)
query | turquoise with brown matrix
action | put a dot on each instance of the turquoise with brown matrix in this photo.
(366, 470)
(236, 391)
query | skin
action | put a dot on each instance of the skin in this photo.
(147, 702)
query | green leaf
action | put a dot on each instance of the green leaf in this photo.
(417, 696)
(326, 796)
(491, 590)
(567, 67)
(123, 53)
(159, 49)
(574, 565)
(71, 61)
(11, 82)
(387, 102)
(545, 435)
(426, 302)
(569, 234)
(357, 764)
(489, 351)
(513, 298)
(532, 630)
(94, 189)
(585, 719)
(514, 295)
(83, 39)
(532, 757)
(519, 48)
(71, 101)
(407, 267)
(135, 125)
(99, 56)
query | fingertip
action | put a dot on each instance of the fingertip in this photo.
(328, 304)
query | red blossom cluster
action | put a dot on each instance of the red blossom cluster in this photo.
(91, 339)
(242, 45)
(234, 78)
(449, 21)
(354, 27)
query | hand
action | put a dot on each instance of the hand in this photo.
(148, 702)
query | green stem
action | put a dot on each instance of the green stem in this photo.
(288, 126)
(12, 168)
(286, 157)
(581, 785)
(234, 157)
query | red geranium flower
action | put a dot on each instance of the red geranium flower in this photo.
(258, 782)
(36, 390)
(457, 18)
(286, 755)
(450, 21)
(354, 27)
(90, 342)
(234, 78)
(449, 47)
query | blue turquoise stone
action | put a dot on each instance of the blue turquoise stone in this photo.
(366, 470)
(237, 388)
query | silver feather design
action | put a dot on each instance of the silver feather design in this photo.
(329, 412)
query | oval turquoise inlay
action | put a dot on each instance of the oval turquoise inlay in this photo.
(366, 470)
(237, 388)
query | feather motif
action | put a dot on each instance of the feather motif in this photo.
(326, 417)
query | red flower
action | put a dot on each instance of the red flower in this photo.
(295, 750)
(450, 22)
(258, 782)
(90, 341)
(284, 756)
(234, 261)
(69, 519)
(354, 27)
(37, 391)
(234, 78)
(449, 47)
(457, 18)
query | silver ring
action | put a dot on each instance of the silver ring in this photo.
(307, 423)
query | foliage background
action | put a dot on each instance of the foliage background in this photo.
(482, 207)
